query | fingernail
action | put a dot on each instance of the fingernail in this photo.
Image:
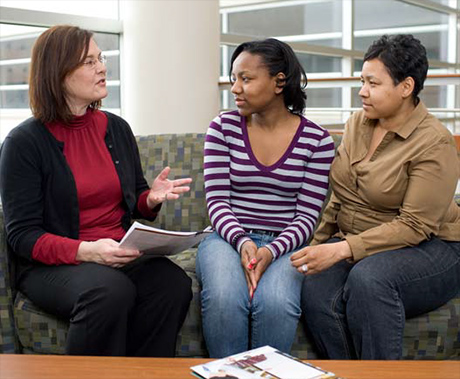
(252, 263)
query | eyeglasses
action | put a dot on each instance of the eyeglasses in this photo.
(91, 63)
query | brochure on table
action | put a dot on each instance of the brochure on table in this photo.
(264, 362)
(160, 242)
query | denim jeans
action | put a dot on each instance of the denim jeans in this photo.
(232, 323)
(359, 310)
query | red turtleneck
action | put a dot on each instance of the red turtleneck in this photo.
(98, 188)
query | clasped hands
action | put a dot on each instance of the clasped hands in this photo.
(254, 261)
(106, 251)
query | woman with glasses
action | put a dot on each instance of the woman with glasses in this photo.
(70, 182)
(388, 246)
(266, 176)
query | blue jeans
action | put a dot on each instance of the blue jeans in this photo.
(231, 323)
(359, 310)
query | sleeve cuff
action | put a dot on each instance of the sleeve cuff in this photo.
(51, 249)
(240, 241)
(357, 247)
(143, 208)
(272, 249)
(313, 242)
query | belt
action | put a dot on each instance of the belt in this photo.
(264, 232)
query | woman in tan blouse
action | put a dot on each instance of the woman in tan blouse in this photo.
(388, 246)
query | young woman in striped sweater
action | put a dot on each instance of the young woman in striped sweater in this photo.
(266, 177)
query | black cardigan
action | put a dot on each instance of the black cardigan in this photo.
(38, 189)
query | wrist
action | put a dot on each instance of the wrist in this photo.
(82, 251)
(236, 238)
(345, 250)
(151, 204)
(267, 253)
(274, 253)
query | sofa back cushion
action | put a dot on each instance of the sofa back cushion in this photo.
(184, 154)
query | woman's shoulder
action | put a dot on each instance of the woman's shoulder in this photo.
(433, 131)
(227, 124)
(313, 130)
(229, 117)
(29, 138)
(28, 130)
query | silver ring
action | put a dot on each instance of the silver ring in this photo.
(304, 268)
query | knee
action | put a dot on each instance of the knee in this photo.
(169, 279)
(181, 288)
(284, 302)
(312, 301)
(112, 295)
(222, 296)
(365, 281)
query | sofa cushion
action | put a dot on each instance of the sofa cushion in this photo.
(38, 331)
(184, 154)
(190, 341)
(8, 343)
(435, 335)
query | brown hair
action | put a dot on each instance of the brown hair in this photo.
(58, 52)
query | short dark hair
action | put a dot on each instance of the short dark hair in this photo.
(57, 52)
(279, 57)
(403, 56)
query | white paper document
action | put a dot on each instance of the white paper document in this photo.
(155, 241)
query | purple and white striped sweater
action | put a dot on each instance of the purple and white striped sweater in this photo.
(286, 197)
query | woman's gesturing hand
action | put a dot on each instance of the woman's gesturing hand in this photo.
(314, 259)
(106, 252)
(164, 189)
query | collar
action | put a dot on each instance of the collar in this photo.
(407, 128)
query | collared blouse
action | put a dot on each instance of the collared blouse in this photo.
(400, 197)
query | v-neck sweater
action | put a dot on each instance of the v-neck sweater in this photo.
(242, 194)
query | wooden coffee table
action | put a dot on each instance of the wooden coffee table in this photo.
(78, 367)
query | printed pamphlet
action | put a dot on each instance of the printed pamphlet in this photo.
(264, 362)
(155, 241)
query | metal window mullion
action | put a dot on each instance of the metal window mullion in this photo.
(452, 54)
(225, 102)
(431, 5)
(28, 17)
(347, 44)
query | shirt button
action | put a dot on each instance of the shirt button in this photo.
(110, 146)
(117, 162)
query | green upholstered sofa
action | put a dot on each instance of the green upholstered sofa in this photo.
(26, 328)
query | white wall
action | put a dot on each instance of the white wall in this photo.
(170, 60)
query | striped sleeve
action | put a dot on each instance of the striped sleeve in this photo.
(310, 197)
(217, 186)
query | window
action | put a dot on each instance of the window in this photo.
(97, 8)
(429, 26)
(17, 39)
(329, 48)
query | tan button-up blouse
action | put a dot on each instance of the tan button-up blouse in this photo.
(402, 196)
